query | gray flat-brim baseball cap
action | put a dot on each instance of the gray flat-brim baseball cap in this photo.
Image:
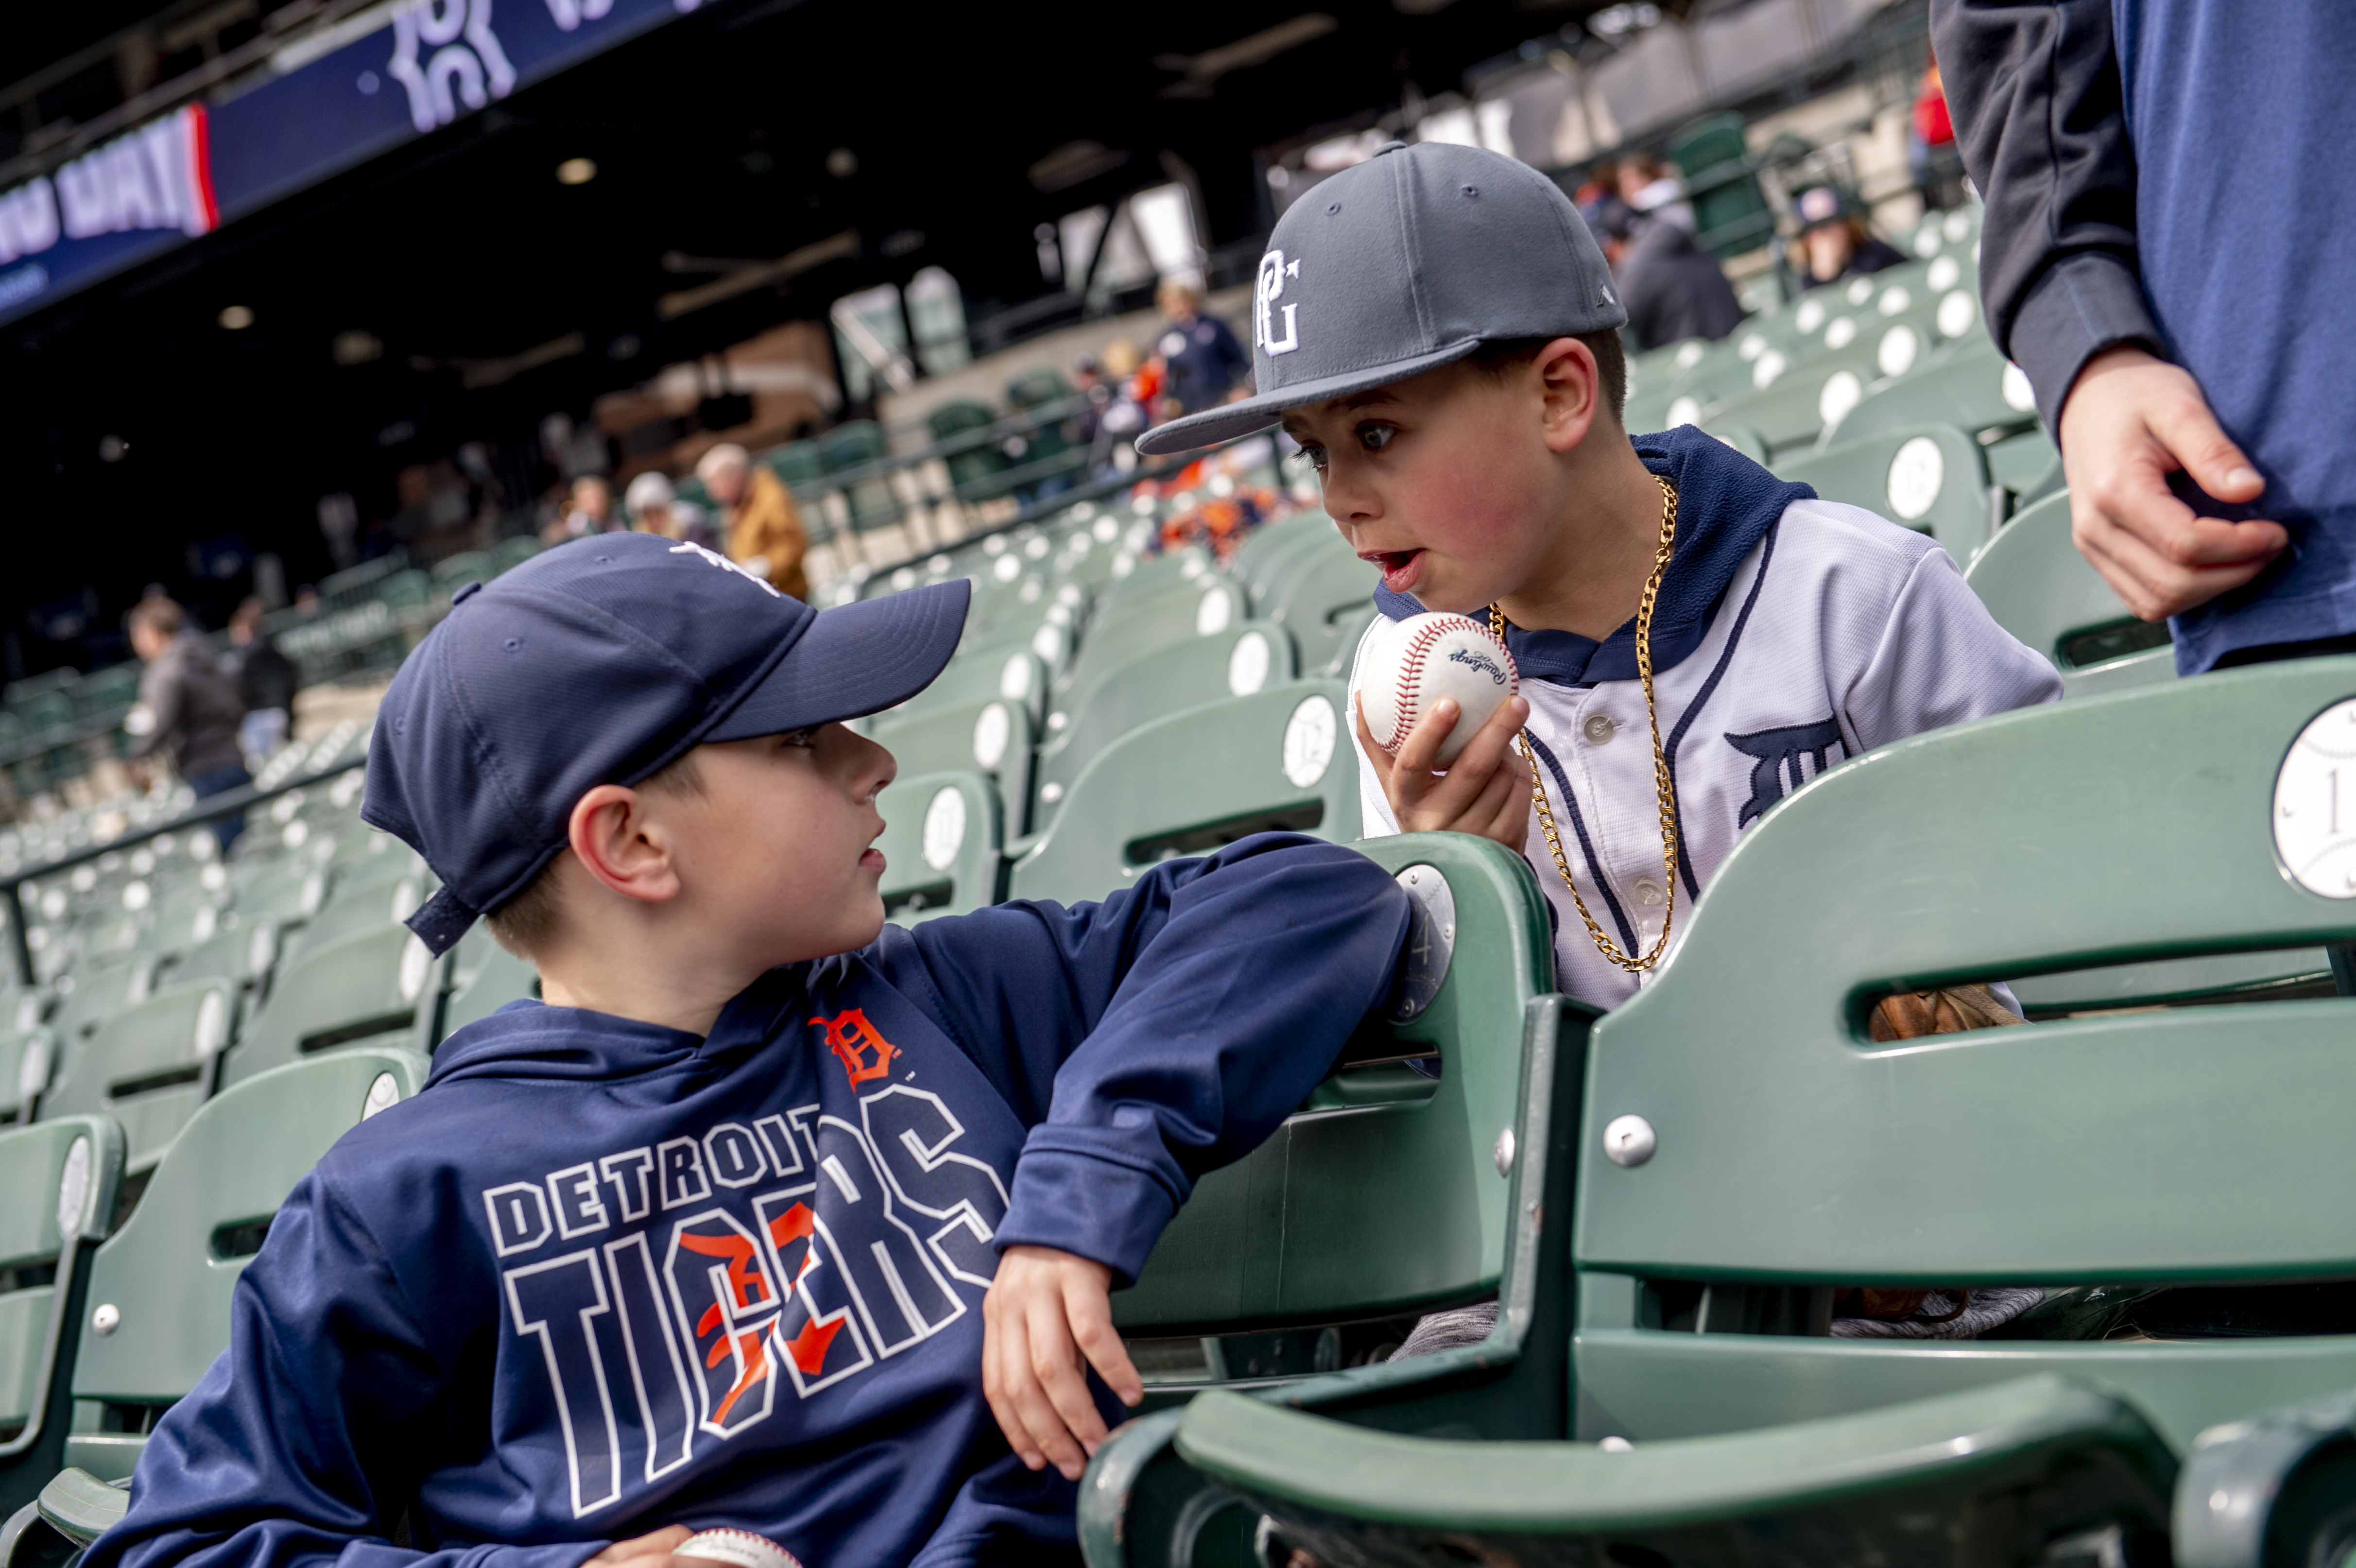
(1408, 261)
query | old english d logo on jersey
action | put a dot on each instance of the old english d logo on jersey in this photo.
(1779, 753)
(863, 1049)
(1265, 291)
(676, 1293)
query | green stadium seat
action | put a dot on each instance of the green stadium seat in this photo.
(795, 462)
(943, 846)
(2028, 465)
(990, 735)
(2013, 1467)
(149, 1066)
(60, 1178)
(466, 566)
(2272, 1489)
(1968, 385)
(1015, 675)
(160, 1287)
(361, 907)
(497, 979)
(242, 949)
(285, 890)
(509, 554)
(853, 445)
(972, 471)
(26, 1058)
(359, 988)
(2040, 588)
(1148, 575)
(1792, 407)
(1266, 547)
(411, 590)
(1932, 478)
(1202, 606)
(91, 994)
(1324, 595)
(1245, 658)
(1185, 784)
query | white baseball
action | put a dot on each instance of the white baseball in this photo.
(737, 1548)
(1416, 662)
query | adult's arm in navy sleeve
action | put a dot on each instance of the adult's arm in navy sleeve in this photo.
(1165, 1031)
(300, 1445)
(2033, 87)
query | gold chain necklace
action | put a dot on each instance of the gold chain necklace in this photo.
(1667, 791)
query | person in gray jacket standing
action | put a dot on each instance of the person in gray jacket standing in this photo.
(186, 707)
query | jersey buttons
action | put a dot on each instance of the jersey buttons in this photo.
(1599, 730)
(1650, 894)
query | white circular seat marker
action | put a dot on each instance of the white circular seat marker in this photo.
(2315, 804)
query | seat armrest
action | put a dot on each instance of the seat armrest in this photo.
(2272, 1487)
(80, 1507)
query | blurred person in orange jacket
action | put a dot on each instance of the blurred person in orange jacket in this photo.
(765, 528)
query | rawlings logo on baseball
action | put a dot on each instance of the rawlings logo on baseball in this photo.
(1412, 664)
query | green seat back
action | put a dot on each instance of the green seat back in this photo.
(989, 736)
(499, 979)
(1245, 658)
(1931, 477)
(1148, 575)
(60, 1178)
(405, 591)
(942, 844)
(168, 1273)
(1322, 596)
(93, 995)
(1180, 611)
(1790, 409)
(850, 445)
(1014, 673)
(796, 462)
(1968, 385)
(363, 907)
(1266, 549)
(1732, 215)
(508, 554)
(466, 566)
(2155, 1146)
(146, 1066)
(27, 1058)
(287, 889)
(242, 948)
(1282, 758)
(1388, 1193)
(1037, 388)
(365, 985)
(2028, 465)
(2040, 588)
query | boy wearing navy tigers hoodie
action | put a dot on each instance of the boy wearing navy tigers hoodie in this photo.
(768, 1209)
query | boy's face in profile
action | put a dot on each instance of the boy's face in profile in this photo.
(1444, 480)
(776, 855)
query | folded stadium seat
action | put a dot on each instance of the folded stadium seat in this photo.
(2034, 582)
(26, 1058)
(1265, 548)
(160, 1287)
(186, 913)
(1202, 606)
(1323, 594)
(855, 444)
(1791, 402)
(60, 1179)
(1014, 673)
(973, 471)
(466, 566)
(361, 989)
(149, 1066)
(2050, 1459)
(2028, 465)
(497, 978)
(1932, 478)
(286, 889)
(92, 994)
(1743, 1148)
(242, 949)
(1146, 576)
(363, 904)
(1197, 779)
(990, 735)
(1245, 658)
(943, 846)
(1968, 384)
(509, 554)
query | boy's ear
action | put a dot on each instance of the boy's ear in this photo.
(1569, 391)
(615, 837)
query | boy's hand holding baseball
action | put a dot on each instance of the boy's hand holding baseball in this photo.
(1048, 1316)
(1485, 789)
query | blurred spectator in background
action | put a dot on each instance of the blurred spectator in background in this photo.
(654, 507)
(764, 529)
(187, 707)
(1123, 419)
(1672, 288)
(265, 684)
(1834, 242)
(588, 509)
(1650, 188)
(1930, 145)
(307, 601)
(1199, 352)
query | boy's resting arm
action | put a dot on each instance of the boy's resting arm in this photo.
(1163, 1032)
(298, 1445)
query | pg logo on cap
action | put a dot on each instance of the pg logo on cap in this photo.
(725, 565)
(1269, 289)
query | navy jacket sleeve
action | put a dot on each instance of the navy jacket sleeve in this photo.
(2033, 86)
(297, 1446)
(1163, 1032)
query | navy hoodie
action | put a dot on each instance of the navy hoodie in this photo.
(603, 1276)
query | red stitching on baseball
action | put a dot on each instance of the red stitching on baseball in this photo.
(1410, 679)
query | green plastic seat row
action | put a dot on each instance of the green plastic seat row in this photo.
(1931, 477)
(60, 1178)
(1733, 1132)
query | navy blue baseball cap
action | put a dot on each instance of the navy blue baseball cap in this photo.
(603, 661)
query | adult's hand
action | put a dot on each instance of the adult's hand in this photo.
(1484, 791)
(652, 1550)
(2130, 421)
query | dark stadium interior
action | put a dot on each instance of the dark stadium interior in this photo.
(711, 138)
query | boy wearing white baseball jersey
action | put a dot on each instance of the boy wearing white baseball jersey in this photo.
(1695, 639)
